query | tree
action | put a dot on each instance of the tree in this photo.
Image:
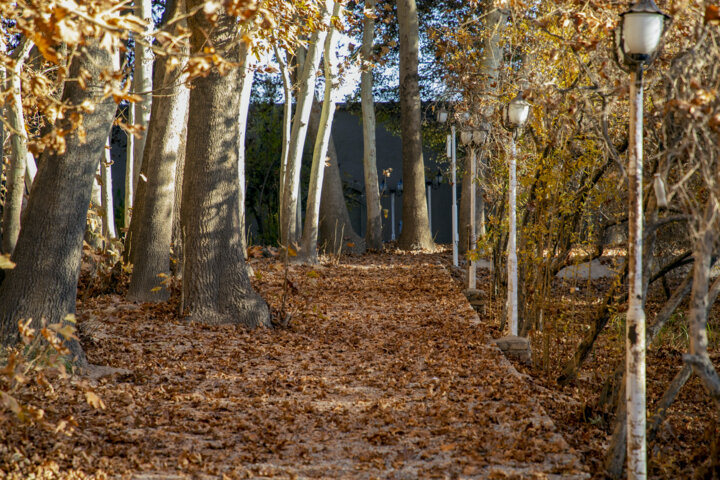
(139, 110)
(291, 182)
(18, 145)
(164, 148)
(216, 286)
(416, 227)
(308, 252)
(43, 285)
(373, 234)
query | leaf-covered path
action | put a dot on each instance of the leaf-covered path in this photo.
(383, 372)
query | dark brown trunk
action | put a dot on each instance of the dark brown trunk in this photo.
(216, 286)
(43, 285)
(415, 233)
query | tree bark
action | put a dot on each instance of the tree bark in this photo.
(247, 76)
(373, 233)
(308, 252)
(415, 234)
(15, 176)
(336, 234)
(287, 127)
(154, 221)
(288, 227)
(106, 201)
(43, 285)
(216, 285)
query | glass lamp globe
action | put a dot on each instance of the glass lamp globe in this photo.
(518, 111)
(442, 115)
(641, 28)
(466, 137)
(399, 187)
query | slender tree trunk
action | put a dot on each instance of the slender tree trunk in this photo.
(154, 221)
(142, 85)
(416, 227)
(108, 209)
(216, 285)
(335, 231)
(286, 126)
(310, 231)
(698, 359)
(12, 210)
(288, 229)
(373, 234)
(247, 76)
(177, 242)
(43, 285)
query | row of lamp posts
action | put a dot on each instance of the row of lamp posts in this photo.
(637, 39)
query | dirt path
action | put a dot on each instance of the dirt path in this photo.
(380, 375)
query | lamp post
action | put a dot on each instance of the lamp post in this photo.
(451, 149)
(636, 45)
(515, 117)
(399, 190)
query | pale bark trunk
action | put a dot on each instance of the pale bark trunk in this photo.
(286, 127)
(288, 228)
(106, 201)
(698, 359)
(415, 234)
(373, 234)
(247, 76)
(216, 285)
(15, 175)
(635, 326)
(142, 85)
(310, 231)
(43, 285)
(153, 223)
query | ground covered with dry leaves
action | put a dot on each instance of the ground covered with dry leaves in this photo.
(383, 372)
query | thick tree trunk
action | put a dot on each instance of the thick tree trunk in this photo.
(152, 224)
(308, 252)
(43, 285)
(15, 175)
(216, 286)
(415, 234)
(288, 227)
(373, 233)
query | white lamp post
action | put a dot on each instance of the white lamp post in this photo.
(451, 149)
(636, 45)
(516, 116)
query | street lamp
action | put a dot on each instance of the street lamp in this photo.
(516, 115)
(637, 39)
(399, 190)
(442, 117)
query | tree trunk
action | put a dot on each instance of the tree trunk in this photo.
(43, 285)
(247, 76)
(154, 221)
(287, 127)
(698, 359)
(153, 216)
(310, 231)
(216, 286)
(336, 233)
(15, 175)
(373, 234)
(415, 233)
(288, 227)
(106, 201)
(142, 85)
